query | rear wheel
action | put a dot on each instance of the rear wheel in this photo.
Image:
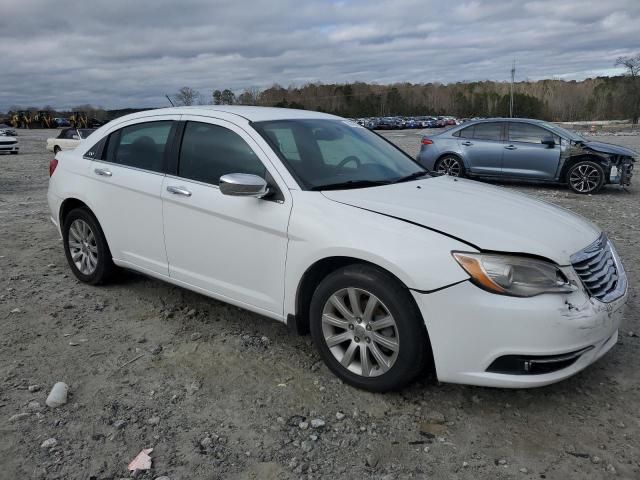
(450, 165)
(86, 248)
(367, 329)
(585, 177)
(56, 149)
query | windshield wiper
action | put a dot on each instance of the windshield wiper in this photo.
(413, 176)
(351, 184)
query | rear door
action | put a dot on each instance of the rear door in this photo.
(126, 185)
(232, 247)
(482, 147)
(526, 157)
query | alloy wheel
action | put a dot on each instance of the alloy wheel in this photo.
(360, 332)
(83, 247)
(449, 166)
(584, 178)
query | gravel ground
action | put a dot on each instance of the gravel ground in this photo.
(219, 392)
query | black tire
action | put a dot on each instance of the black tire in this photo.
(56, 149)
(105, 267)
(585, 177)
(450, 165)
(414, 349)
(14, 153)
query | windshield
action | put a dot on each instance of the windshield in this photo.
(323, 154)
(563, 132)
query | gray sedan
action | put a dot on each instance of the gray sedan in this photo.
(524, 149)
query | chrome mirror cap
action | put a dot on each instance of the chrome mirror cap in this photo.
(243, 185)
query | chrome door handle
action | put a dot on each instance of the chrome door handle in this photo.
(179, 191)
(511, 147)
(103, 172)
(467, 144)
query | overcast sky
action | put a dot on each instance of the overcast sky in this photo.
(130, 53)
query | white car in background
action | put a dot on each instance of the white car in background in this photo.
(9, 144)
(317, 222)
(68, 139)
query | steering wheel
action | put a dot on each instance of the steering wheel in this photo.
(350, 158)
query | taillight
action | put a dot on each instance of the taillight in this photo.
(52, 166)
(426, 141)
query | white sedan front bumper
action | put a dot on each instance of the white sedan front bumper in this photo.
(470, 329)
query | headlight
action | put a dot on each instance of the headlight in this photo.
(513, 275)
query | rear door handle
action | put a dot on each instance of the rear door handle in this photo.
(103, 172)
(467, 144)
(511, 147)
(179, 191)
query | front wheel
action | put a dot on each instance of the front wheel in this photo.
(56, 149)
(450, 165)
(368, 330)
(585, 177)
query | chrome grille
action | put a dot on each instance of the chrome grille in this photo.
(600, 270)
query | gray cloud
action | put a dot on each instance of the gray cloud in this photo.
(130, 53)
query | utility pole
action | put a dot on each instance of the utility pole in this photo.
(513, 77)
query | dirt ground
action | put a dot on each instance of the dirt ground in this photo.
(219, 392)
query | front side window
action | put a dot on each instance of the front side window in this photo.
(141, 145)
(527, 133)
(488, 131)
(211, 151)
(327, 153)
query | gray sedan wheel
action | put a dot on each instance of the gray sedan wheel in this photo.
(450, 165)
(585, 177)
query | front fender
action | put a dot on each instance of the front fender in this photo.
(320, 228)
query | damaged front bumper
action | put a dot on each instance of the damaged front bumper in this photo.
(480, 338)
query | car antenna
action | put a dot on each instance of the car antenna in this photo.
(169, 98)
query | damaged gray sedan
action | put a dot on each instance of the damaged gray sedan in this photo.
(529, 150)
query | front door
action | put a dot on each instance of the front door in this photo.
(233, 247)
(525, 156)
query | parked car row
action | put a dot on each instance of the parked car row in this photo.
(313, 220)
(399, 123)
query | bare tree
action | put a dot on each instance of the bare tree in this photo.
(187, 96)
(632, 65)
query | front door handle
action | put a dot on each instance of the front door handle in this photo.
(103, 172)
(467, 144)
(511, 147)
(179, 191)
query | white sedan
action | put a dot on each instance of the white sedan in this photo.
(315, 221)
(9, 144)
(68, 139)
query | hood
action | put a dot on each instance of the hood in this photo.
(610, 149)
(485, 217)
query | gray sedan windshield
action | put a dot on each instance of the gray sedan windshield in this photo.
(336, 154)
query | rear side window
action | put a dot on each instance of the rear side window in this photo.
(487, 131)
(141, 146)
(97, 151)
(211, 151)
(465, 132)
(527, 133)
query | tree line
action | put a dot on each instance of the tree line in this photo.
(601, 98)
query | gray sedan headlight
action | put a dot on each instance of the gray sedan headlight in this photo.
(513, 275)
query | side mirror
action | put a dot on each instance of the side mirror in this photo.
(243, 185)
(549, 142)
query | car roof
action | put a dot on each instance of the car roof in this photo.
(504, 119)
(250, 113)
